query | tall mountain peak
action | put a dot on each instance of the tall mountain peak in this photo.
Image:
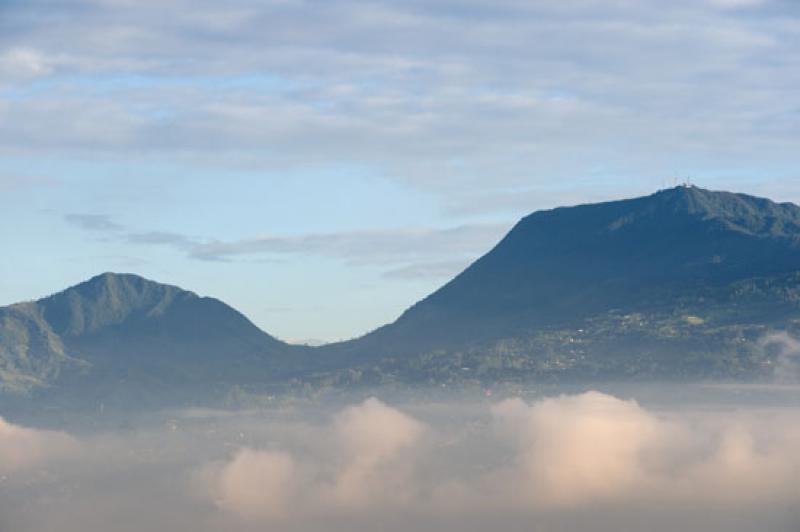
(571, 263)
(672, 211)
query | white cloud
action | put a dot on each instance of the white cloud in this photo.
(371, 436)
(575, 449)
(22, 448)
(258, 484)
(585, 462)
(565, 454)
(361, 471)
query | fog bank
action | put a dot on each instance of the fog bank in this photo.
(574, 462)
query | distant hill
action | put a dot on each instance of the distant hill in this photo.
(681, 284)
(119, 338)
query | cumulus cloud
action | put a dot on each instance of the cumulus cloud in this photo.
(574, 449)
(258, 484)
(575, 453)
(22, 448)
(371, 436)
(361, 470)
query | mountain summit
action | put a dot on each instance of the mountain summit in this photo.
(565, 262)
(109, 300)
(661, 258)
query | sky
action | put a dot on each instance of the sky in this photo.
(322, 165)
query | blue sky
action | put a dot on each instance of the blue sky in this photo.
(322, 165)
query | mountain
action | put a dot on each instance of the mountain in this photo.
(683, 284)
(119, 338)
(672, 284)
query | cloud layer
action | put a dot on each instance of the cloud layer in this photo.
(575, 463)
(466, 100)
(22, 449)
(583, 453)
(361, 470)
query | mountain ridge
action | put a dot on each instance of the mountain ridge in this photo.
(677, 284)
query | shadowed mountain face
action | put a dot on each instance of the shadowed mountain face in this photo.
(569, 263)
(684, 283)
(581, 286)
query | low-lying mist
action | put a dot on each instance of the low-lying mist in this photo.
(587, 461)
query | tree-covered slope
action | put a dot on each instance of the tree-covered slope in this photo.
(31, 354)
(121, 338)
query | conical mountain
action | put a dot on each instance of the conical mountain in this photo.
(126, 305)
(120, 338)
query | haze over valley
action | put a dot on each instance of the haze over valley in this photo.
(725, 460)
